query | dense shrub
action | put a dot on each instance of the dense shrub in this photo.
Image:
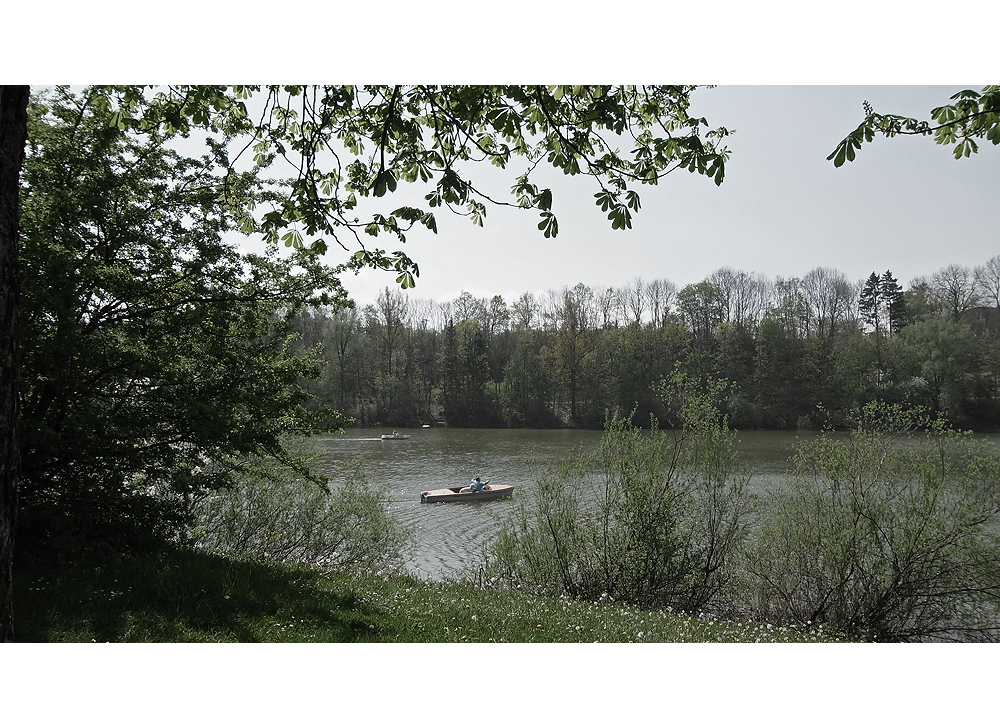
(297, 521)
(648, 518)
(888, 534)
(157, 355)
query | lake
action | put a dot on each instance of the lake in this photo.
(440, 457)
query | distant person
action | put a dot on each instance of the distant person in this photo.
(479, 485)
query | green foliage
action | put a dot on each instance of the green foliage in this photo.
(265, 517)
(871, 302)
(571, 344)
(648, 518)
(974, 115)
(890, 534)
(157, 358)
(701, 310)
(882, 305)
(382, 135)
(468, 400)
(639, 356)
(528, 385)
(801, 353)
(936, 363)
(781, 376)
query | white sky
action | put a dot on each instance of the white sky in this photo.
(904, 205)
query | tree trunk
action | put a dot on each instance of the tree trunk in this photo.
(13, 134)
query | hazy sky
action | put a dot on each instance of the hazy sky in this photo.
(904, 205)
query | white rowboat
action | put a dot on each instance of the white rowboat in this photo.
(458, 494)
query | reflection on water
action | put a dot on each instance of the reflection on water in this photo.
(445, 534)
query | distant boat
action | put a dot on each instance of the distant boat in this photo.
(396, 436)
(459, 494)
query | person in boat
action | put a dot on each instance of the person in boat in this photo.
(478, 485)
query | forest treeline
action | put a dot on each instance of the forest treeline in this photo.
(799, 352)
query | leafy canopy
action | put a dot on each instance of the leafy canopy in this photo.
(157, 357)
(343, 144)
(974, 115)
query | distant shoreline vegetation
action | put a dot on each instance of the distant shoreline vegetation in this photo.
(801, 353)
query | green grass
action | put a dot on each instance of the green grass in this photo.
(191, 596)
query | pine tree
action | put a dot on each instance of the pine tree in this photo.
(893, 301)
(870, 302)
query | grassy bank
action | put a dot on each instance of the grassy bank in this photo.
(190, 596)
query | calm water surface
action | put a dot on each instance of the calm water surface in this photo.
(439, 457)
